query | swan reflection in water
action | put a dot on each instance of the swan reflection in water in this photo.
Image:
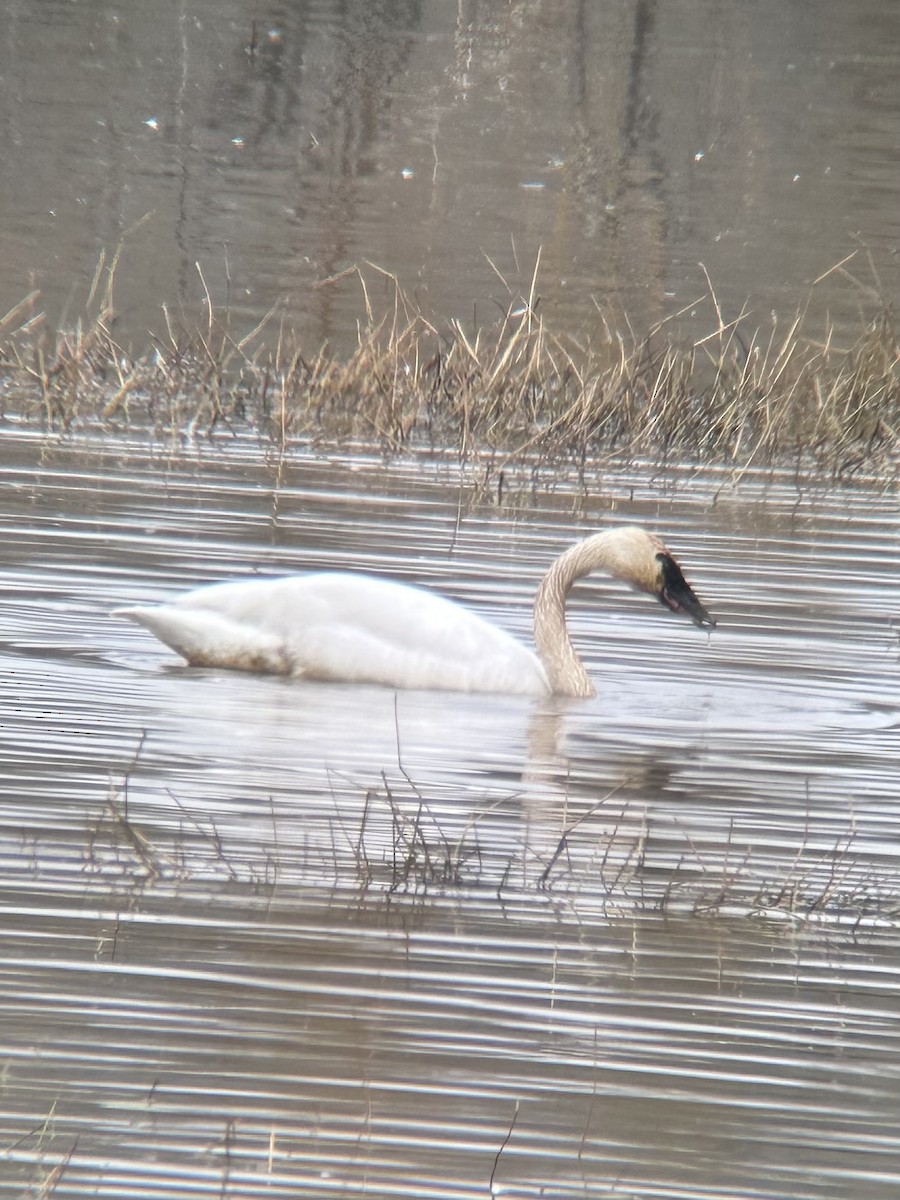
(350, 628)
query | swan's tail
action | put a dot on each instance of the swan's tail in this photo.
(207, 639)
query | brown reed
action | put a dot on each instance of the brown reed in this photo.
(745, 395)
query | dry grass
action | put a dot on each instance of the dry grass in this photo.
(609, 858)
(741, 395)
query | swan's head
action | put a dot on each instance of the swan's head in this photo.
(641, 559)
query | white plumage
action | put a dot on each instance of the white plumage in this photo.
(361, 629)
(340, 626)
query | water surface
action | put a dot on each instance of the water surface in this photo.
(262, 937)
(251, 156)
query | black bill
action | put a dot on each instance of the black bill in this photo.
(677, 594)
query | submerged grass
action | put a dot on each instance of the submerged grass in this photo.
(608, 858)
(745, 394)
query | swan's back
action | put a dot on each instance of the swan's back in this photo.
(344, 627)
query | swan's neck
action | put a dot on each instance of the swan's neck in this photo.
(608, 551)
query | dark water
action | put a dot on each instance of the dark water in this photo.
(262, 937)
(255, 153)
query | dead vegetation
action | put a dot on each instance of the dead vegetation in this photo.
(746, 394)
(607, 858)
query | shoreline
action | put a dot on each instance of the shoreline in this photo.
(740, 397)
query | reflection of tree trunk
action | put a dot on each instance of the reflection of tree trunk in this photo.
(633, 125)
(643, 204)
(614, 167)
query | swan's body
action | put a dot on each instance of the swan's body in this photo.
(362, 629)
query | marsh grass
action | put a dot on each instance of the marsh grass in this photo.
(748, 393)
(610, 857)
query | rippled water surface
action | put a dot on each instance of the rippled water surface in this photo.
(264, 937)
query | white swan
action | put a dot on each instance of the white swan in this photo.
(362, 629)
